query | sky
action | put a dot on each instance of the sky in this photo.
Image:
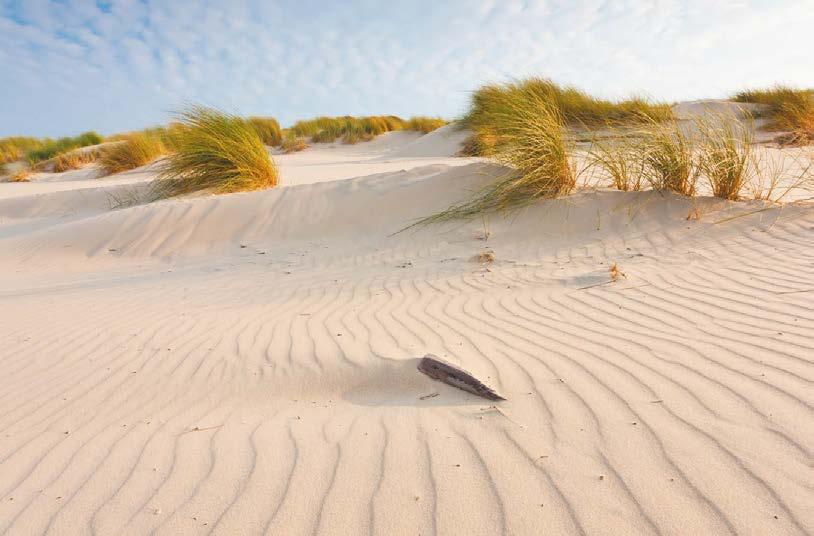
(112, 66)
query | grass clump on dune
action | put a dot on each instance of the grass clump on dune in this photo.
(490, 104)
(725, 154)
(268, 129)
(347, 128)
(425, 124)
(535, 147)
(350, 129)
(668, 158)
(52, 148)
(75, 159)
(788, 109)
(292, 143)
(21, 175)
(15, 148)
(133, 151)
(215, 151)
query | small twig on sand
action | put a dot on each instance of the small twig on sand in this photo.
(197, 429)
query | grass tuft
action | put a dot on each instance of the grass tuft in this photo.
(789, 109)
(425, 124)
(216, 151)
(22, 175)
(535, 147)
(75, 159)
(268, 129)
(489, 106)
(293, 143)
(725, 156)
(52, 148)
(668, 157)
(133, 151)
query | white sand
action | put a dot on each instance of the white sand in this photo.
(245, 364)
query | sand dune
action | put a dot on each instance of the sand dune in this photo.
(246, 364)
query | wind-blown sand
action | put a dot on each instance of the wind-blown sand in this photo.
(246, 364)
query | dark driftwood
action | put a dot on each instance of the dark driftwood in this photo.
(451, 375)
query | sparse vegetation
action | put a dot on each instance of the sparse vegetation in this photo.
(15, 148)
(725, 156)
(788, 109)
(668, 157)
(20, 176)
(293, 143)
(352, 129)
(75, 159)
(425, 124)
(135, 150)
(621, 159)
(216, 151)
(535, 148)
(268, 129)
(491, 104)
(51, 148)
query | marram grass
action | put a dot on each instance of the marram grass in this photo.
(788, 109)
(268, 129)
(75, 159)
(133, 151)
(491, 104)
(537, 152)
(216, 151)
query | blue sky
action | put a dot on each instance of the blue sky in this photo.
(69, 66)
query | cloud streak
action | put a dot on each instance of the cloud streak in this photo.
(119, 65)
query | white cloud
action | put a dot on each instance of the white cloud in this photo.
(71, 65)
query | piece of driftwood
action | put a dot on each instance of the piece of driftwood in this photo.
(451, 375)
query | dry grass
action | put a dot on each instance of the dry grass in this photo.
(615, 273)
(789, 109)
(268, 129)
(292, 143)
(52, 148)
(668, 154)
(777, 176)
(134, 151)
(425, 124)
(215, 151)
(490, 104)
(621, 159)
(487, 256)
(15, 148)
(536, 149)
(22, 175)
(75, 159)
(725, 155)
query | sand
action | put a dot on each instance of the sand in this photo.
(246, 363)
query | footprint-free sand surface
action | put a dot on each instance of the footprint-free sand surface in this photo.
(246, 363)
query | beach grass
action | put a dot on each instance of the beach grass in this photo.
(52, 148)
(350, 129)
(268, 129)
(725, 154)
(15, 148)
(537, 152)
(214, 151)
(668, 156)
(425, 124)
(293, 143)
(75, 159)
(22, 175)
(489, 105)
(788, 109)
(133, 151)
